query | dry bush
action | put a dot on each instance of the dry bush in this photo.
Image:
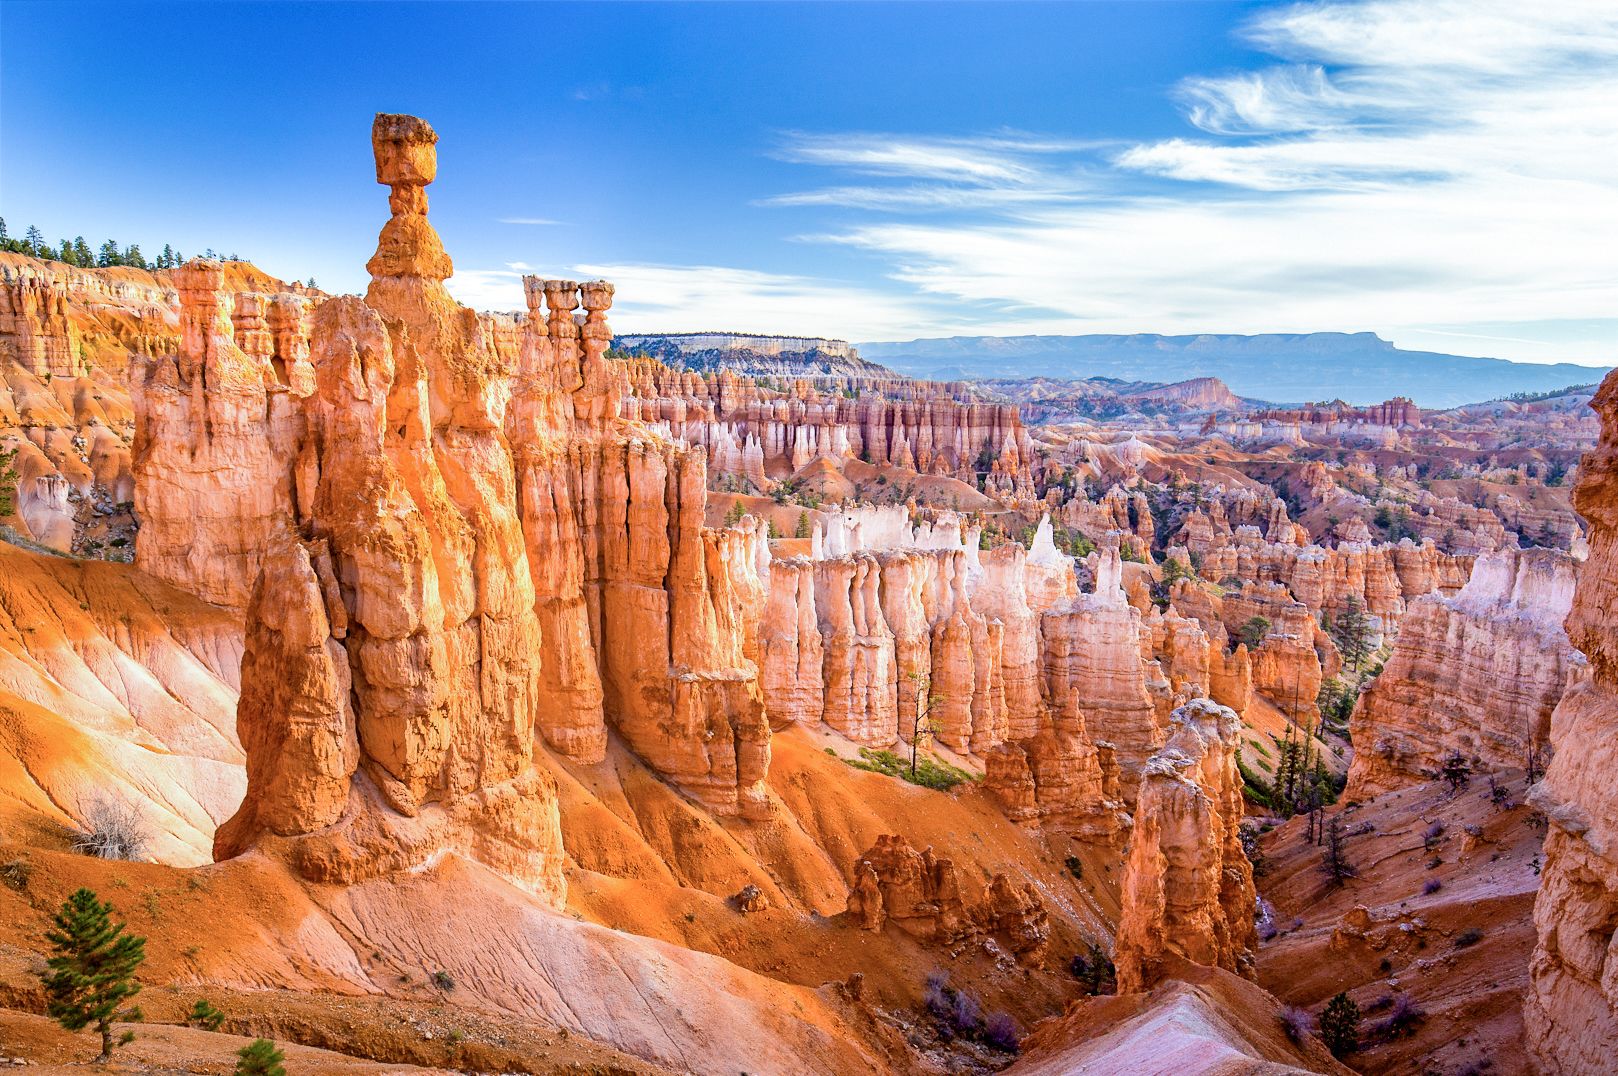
(112, 828)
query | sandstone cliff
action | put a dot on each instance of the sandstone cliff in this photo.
(1571, 1011)
(1478, 673)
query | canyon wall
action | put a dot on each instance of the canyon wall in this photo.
(1477, 673)
(764, 435)
(73, 343)
(1571, 1010)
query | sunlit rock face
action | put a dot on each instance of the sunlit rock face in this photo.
(1571, 1011)
(438, 466)
(1188, 886)
(216, 436)
(1477, 673)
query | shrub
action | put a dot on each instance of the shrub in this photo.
(92, 972)
(205, 1016)
(1075, 866)
(443, 981)
(1403, 1016)
(112, 829)
(1431, 886)
(1000, 1031)
(1468, 938)
(1434, 834)
(260, 1058)
(16, 873)
(1456, 771)
(1095, 969)
(967, 1015)
(930, 773)
(1297, 1023)
(937, 995)
(1340, 1026)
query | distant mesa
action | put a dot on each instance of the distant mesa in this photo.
(1361, 368)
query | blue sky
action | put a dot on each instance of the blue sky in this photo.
(1439, 171)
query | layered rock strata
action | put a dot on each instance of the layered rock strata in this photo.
(920, 893)
(1479, 673)
(215, 441)
(1571, 1011)
(763, 434)
(1188, 887)
(440, 466)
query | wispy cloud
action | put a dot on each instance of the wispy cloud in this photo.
(989, 171)
(1403, 163)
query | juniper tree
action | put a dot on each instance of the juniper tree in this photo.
(92, 973)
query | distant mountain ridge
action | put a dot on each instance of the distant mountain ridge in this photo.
(1359, 368)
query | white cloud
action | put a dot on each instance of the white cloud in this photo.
(1410, 163)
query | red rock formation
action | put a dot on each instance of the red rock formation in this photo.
(920, 893)
(34, 328)
(1478, 673)
(765, 434)
(1188, 887)
(1571, 1011)
(215, 439)
(401, 619)
(1095, 655)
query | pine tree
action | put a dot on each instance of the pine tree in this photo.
(34, 243)
(1352, 634)
(92, 973)
(734, 516)
(110, 255)
(802, 529)
(1340, 1026)
(1456, 771)
(260, 1058)
(165, 260)
(1253, 631)
(133, 256)
(205, 1016)
(65, 253)
(1334, 863)
(82, 253)
(4, 238)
